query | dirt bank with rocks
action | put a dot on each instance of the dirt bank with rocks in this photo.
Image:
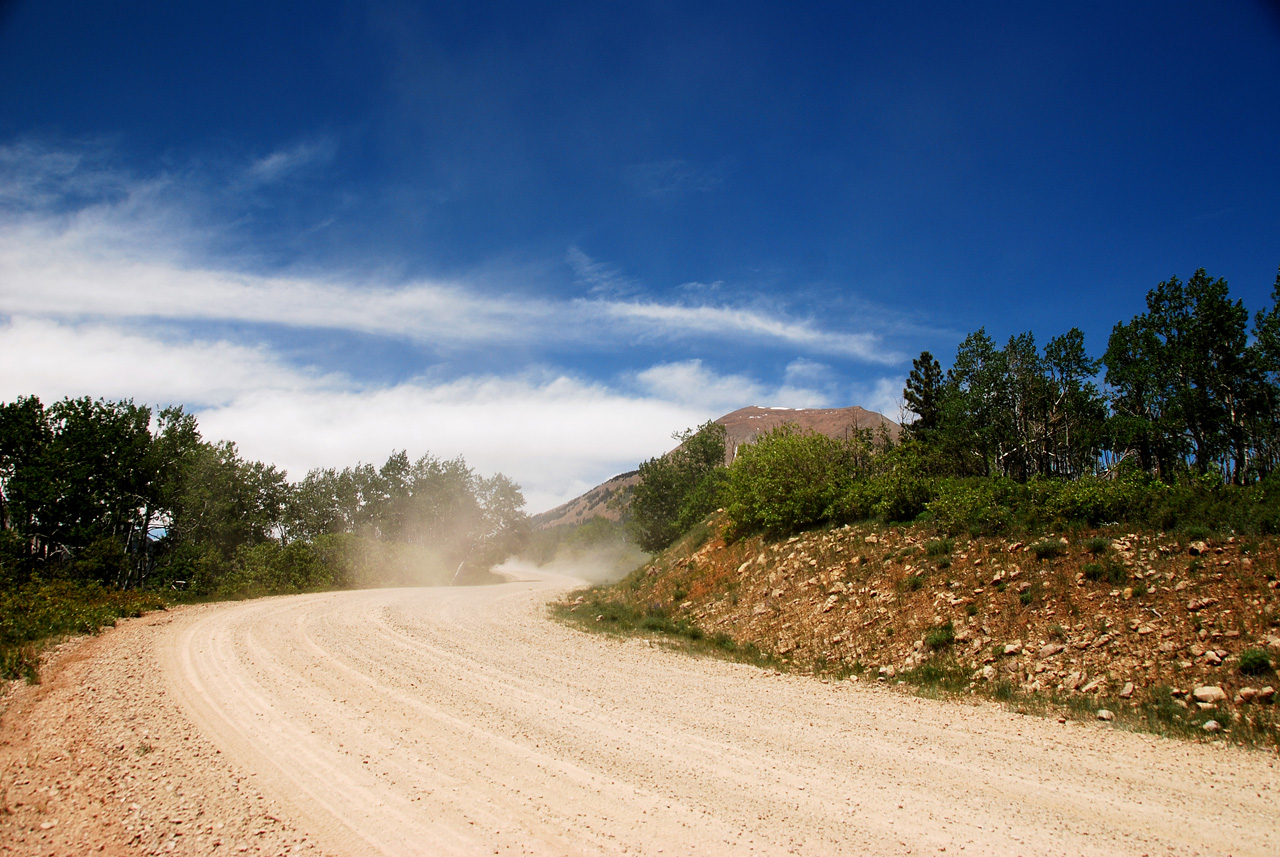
(1120, 619)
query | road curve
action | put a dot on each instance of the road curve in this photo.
(460, 721)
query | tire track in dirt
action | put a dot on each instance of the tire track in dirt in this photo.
(461, 721)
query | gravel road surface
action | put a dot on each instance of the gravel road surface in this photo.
(461, 721)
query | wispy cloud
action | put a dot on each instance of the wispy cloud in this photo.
(757, 327)
(600, 278)
(282, 162)
(673, 177)
(78, 270)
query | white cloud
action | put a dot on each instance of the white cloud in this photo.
(100, 296)
(811, 372)
(78, 269)
(555, 435)
(756, 327)
(691, 383)
(59, 359)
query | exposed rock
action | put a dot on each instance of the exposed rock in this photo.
(1093, 686)
(1050, 649)
(1197, 548)
(1104, 714)
(1212, 726)
(1210, 694)
(988, 672)
(1267, 695)
(1126, 692)
(1014, 648)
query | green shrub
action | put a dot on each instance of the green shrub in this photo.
(975, 505)
(938, 547)
(1048, 549)
(39, 611)
(940, 637)
(1088, 500)
(1097, 545)
(1104, 572)
(1254, 662)
(785, 482)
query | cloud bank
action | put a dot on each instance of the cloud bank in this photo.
(108, 288)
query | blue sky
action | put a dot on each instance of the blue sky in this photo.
(544, 236)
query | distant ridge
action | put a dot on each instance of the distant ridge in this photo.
(742, 426)
(746, 424)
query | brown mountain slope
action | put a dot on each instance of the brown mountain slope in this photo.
(593, 504)
(742, 426)
(746, 424)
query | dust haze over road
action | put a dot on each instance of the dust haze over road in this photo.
(462, 721)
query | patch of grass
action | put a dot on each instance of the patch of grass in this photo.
(1104, 572)
(1254, 662)
(939, 547)
(913, 582)
(941, 636)
(1048, 549)
(937, 676)
(971, 609)
(1097, 545)
(1196, 532)
(599, 613)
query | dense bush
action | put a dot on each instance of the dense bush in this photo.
(978, 506)
(786, 481)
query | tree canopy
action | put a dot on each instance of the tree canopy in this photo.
(116, 493)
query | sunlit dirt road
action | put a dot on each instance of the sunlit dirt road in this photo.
(463, 721)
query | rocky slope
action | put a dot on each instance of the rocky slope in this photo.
(1121, 619)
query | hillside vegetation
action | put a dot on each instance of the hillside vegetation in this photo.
(1032, 535)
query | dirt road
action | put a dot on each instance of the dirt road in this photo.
(462, 721)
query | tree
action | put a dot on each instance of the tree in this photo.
(923, 395)
(677, 489)
(1185, 381)
(1077, 414)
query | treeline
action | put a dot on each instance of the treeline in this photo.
(1177, 424)
(118, 495)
